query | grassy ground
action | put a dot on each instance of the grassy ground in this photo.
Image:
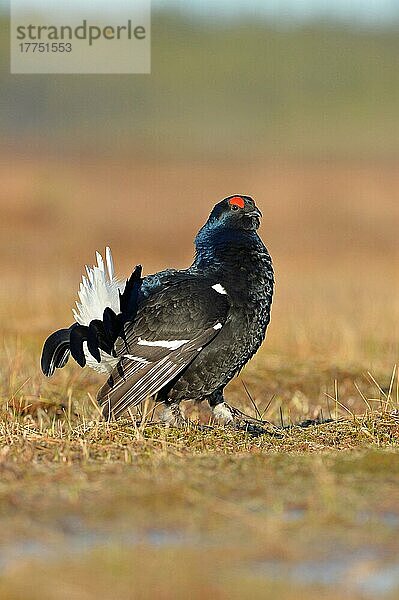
(94, 510)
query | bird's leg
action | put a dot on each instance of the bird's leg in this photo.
(172, 415)
(235, 418)
(220, 409)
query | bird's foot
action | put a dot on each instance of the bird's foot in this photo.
(235, 418)
(171, 415)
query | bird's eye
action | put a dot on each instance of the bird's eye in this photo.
(236, 202)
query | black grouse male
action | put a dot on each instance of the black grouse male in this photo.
(176, 335)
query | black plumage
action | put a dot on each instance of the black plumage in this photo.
(183, 335)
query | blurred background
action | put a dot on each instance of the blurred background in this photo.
(294, 102)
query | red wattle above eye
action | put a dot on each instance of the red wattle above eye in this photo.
(237, 201)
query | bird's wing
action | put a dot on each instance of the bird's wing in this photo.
(169, 331)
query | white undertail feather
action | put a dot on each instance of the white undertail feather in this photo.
(106, 365)
(98, 289)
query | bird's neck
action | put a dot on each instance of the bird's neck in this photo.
(229, 251)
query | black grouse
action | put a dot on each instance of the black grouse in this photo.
(178, 334)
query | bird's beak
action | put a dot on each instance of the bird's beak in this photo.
(254, 213)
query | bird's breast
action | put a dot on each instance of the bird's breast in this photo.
(250, 297)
